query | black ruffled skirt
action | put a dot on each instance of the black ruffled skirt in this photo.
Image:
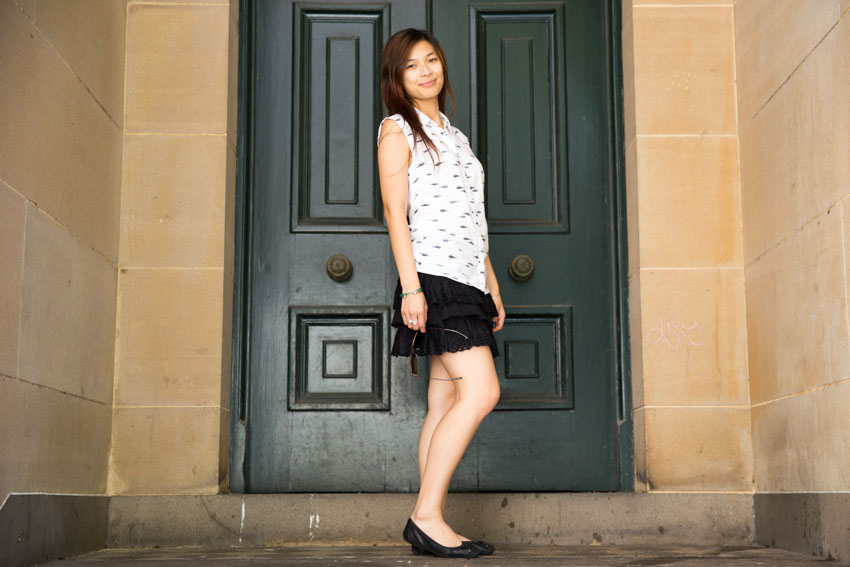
(451, 305)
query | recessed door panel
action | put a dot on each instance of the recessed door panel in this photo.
(338, 359)
(337, 69)
(518, 66)
(535, 371)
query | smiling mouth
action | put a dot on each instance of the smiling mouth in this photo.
(429, 84)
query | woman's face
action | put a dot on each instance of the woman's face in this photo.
(423, 72)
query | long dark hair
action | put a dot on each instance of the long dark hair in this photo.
(396, 100)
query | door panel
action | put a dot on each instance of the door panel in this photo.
(322, 412)
(536, 83)
(516, 66)
(327, 408)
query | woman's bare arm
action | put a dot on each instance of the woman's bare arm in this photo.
(393, 161)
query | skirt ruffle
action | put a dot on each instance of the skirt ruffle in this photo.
(451, 305)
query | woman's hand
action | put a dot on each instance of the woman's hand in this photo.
(500, 320)
(414, 308)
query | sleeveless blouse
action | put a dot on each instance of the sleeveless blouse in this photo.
(445, 204)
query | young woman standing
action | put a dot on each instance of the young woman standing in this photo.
(447, 302)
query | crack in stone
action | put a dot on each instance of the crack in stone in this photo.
(215, 519)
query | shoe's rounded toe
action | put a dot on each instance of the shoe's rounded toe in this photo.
(486, 548)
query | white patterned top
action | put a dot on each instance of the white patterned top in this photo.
(445, 205)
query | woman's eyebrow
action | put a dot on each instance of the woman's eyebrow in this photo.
(428, 55)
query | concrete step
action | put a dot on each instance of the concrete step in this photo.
(562, 519)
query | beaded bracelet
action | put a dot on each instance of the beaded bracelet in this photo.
(411, 292)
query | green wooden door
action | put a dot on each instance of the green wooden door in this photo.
(321, 405)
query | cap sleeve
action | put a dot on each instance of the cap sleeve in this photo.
(405, 129)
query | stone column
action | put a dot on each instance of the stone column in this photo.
(172, 372)
(686, 278)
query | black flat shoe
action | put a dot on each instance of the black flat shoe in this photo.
(483, 546)
(420, 541)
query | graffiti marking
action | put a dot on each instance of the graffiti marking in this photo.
(673, 332)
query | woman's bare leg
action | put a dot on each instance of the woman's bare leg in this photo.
(442, 393)
(477, 395)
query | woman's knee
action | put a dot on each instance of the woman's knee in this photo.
(491, 397)
(441, 399)
(482, 400)
(479, 391)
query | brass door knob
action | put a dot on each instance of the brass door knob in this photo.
(521, 268)
(339, 268)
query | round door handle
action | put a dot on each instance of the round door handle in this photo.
(339, 268)
(521, 268)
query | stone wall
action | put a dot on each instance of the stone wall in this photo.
(794, 102)
(117, 181)
(794, 105)
(686, 277)
(62, 112)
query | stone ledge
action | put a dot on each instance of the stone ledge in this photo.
(704, 519)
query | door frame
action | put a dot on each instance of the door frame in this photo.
(243, 246)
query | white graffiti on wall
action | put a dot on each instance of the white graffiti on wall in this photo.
(673, 333)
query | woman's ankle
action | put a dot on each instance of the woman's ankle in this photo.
(426, 516)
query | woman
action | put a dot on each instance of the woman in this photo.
(447, 302)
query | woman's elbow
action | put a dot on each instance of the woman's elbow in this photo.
(395, 211)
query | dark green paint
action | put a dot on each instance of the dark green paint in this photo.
(293, 212)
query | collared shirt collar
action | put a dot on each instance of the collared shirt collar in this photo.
(425, 119)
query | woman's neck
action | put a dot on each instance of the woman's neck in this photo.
(431, 109)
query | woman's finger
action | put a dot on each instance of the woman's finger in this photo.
(409, 319)
(500, 320)
(422, 320)
(415, 320)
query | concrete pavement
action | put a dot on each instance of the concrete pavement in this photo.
(395, 556)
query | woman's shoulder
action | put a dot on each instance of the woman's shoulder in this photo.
(398, 119)
(395, 124)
